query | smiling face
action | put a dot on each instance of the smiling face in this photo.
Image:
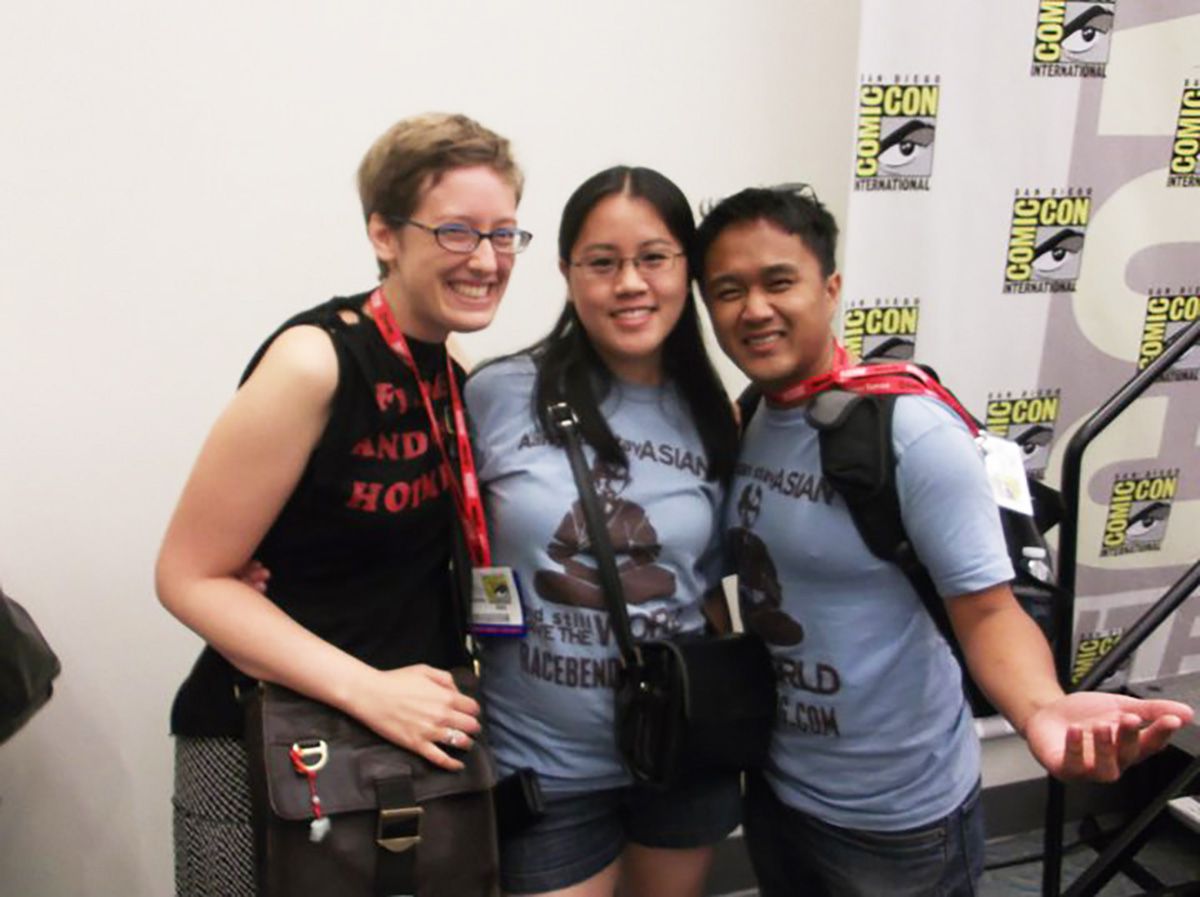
(431, 290)
(771, 306)
(627, 312)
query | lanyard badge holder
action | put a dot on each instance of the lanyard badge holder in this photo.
(496, 602)
(495, 594)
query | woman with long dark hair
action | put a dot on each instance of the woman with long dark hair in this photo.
(627, 355)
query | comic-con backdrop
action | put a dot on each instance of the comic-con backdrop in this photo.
(1025, 217)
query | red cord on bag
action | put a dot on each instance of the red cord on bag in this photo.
(319, 827)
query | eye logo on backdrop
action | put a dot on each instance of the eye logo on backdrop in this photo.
(1045, 241)
(1184, 151)
(1139, 508)
(1072, 39)
(1028, 419)
(886, 328)
(897, 123)
(1167, 313)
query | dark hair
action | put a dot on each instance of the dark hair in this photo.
(793, 208)
(568, 366)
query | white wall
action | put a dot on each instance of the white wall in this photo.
(174, 180)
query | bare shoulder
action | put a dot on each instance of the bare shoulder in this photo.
(302, 358)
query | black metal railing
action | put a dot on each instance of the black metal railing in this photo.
(1090, 882)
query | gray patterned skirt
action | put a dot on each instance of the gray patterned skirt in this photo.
(214, 837)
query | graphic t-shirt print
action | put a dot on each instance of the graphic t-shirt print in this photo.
(635, 546)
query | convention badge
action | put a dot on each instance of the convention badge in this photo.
(496, 602)
(1006, 473)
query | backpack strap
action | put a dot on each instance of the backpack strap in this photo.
(858, 460)
(747, 404)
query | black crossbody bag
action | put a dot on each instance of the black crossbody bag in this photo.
(683, 706)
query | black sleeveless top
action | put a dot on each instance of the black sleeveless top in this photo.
(360, 552)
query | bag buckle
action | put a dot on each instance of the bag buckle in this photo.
(562, 416)
(399, 828)
(310, 756)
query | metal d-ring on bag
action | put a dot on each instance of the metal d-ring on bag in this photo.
(682, 706)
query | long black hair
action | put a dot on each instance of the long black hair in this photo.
(568, 366)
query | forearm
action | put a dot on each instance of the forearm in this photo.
(262, 641)
(1006, 653)
(413, 706)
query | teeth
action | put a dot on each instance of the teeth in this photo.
(632, 313)
(761, 340)
(471, 291)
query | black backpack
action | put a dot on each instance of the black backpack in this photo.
(858, 461)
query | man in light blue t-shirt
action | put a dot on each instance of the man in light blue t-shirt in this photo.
(872, 785)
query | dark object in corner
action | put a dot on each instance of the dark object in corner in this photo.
(27, 667)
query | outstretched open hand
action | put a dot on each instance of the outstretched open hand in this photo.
(1097, 736)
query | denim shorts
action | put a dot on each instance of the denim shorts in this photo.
(583, 832)
(794, 853)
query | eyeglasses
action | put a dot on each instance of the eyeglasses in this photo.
(464, 238)
(604, 267)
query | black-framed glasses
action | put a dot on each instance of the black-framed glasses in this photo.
(603, 266)
(464, 238)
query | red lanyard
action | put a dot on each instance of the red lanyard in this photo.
(898, 378)
(466, 495)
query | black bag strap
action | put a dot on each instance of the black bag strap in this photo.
(747, 403)
(398, 835)
(460, 594)
(567, 424)
(461, 567)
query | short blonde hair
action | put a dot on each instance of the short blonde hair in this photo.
(413, 154)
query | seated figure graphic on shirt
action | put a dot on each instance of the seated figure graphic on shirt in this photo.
(635, 547)
(760, 595)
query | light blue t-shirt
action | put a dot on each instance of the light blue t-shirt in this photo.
(548, 697)
(873, 731)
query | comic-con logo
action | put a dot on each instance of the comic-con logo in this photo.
(1028, 419)
(1186, 148)
(886, 328)
(1090, 648)
(1045, 240)
(1138, 510)
(897, 122)
(1072, 39)
(1166, 315)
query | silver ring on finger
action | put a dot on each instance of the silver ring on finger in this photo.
(453, 736)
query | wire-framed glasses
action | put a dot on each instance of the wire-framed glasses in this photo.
(463, 238)
(604, 265)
